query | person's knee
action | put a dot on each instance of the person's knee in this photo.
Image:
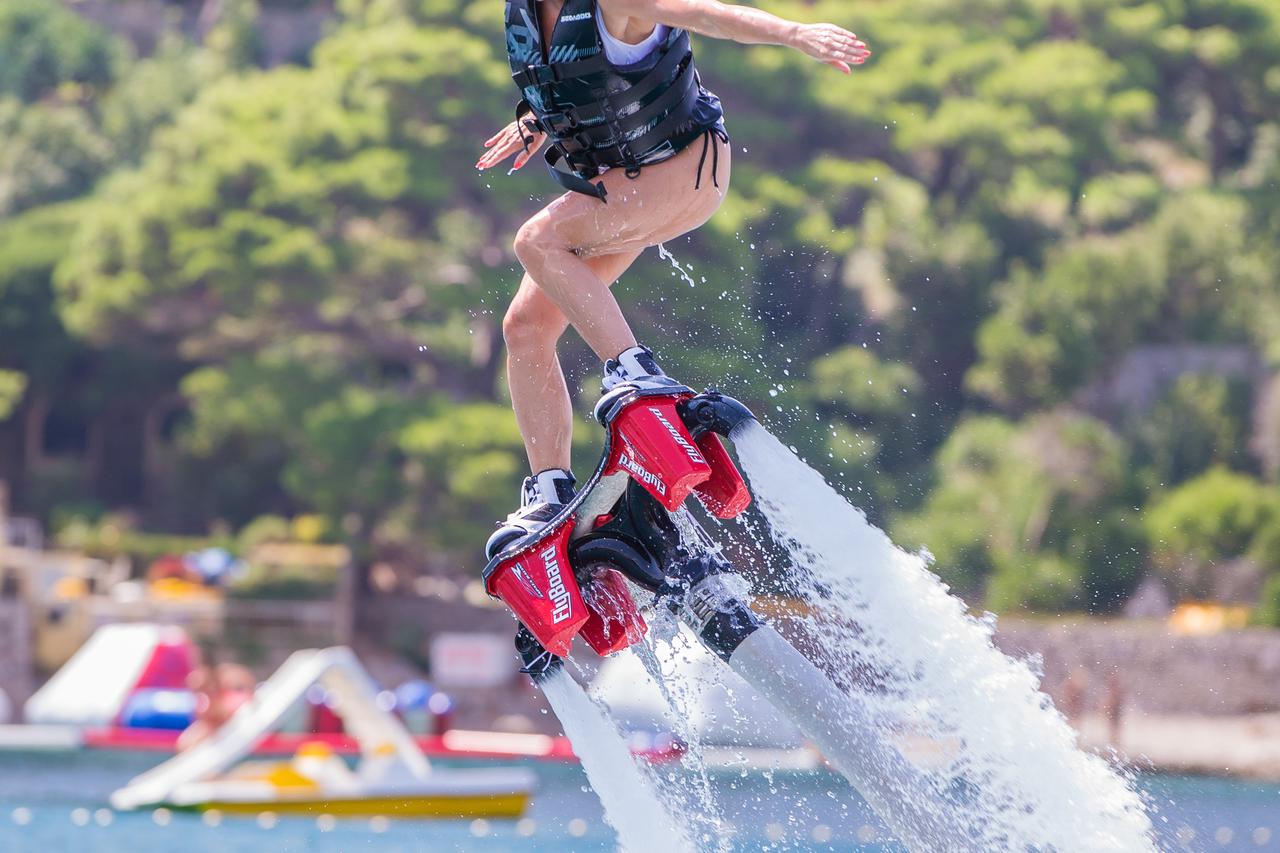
(533, 241)
(526, 327)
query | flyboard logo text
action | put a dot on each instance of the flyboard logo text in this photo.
(555, 587)
(638, 471)
(689, 449)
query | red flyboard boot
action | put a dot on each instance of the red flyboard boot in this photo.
(560, 566)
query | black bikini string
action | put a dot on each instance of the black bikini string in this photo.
(715, 133)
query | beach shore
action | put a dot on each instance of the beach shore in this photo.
(1243, 746)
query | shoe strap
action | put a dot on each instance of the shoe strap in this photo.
(553, 486)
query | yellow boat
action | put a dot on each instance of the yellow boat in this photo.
(317, 782)
(392, 778)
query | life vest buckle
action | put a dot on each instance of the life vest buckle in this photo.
(538, 75)
(563, 123)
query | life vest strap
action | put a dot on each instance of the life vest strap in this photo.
(546, 75)
(556, 159)
(679, 81)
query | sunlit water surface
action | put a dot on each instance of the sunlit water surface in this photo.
(51, 803)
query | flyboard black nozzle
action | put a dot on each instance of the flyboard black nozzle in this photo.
(713, 412)
(538, 662)
(698, 592)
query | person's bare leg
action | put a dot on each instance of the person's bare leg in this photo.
(532, 327)
(661, 204)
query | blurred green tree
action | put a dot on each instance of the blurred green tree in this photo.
(294, 280)
(1202, 420)
(52, 152)
(1036, 508)
(46, 46)
(1216, 517)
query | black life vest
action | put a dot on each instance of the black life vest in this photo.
(600, 115)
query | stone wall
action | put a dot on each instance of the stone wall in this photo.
(1136, 381)
(1140, 664)
(1154, 670)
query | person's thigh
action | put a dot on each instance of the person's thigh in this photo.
(664, 202)
(532, 305)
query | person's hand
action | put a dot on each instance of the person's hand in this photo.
(833, 45)
(508, 141)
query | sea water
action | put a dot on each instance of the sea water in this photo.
(627, 793)
(43, 794)
(967, 716)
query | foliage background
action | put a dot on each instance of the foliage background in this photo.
(1014, 284)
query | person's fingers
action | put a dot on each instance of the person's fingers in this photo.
(836, 63)
(855, 53)
(490, 158)
(498, 153)
(523, 155)
(510, 141)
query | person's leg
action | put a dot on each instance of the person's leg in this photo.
(556, 245)
(532, 327)
(572, 251)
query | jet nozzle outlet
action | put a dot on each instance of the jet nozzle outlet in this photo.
(713, 412)
(537, 662)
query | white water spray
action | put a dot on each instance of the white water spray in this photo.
(697, 802)
(630, 803)
(676, 266)
(969, 718)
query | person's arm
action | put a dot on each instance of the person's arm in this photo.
(828, 43)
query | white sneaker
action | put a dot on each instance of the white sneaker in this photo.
(637, 368)
(542, 497)
(634, 370)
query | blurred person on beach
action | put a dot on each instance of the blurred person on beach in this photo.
(1113, 708)
(220, 691)
(1072, 693)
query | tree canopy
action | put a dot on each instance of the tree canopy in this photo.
(290, 282)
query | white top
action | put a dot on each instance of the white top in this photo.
(620, 52)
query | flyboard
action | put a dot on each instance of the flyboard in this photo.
(569, 579)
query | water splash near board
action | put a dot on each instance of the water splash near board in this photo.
(692, 785)
(631, 804)
(962, 713)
